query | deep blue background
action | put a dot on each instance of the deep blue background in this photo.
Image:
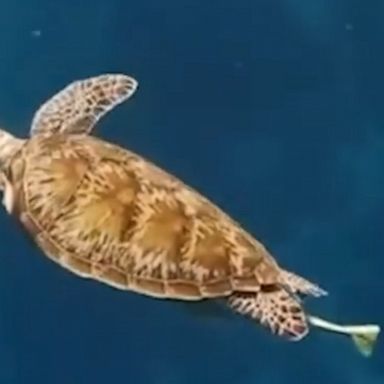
(273, 109)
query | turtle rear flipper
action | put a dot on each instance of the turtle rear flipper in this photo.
(275, 309)
(297, 284)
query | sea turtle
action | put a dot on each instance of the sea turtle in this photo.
(106, 213)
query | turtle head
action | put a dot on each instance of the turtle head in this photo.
(9, 145)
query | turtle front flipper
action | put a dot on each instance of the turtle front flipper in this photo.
(274, 308)
(77, 108)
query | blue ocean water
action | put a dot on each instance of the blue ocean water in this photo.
(273, 109)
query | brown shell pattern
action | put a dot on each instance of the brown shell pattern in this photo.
(106, 213)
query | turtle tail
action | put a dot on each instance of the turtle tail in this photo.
(273, 307)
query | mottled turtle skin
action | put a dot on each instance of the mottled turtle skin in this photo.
(106, 213)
